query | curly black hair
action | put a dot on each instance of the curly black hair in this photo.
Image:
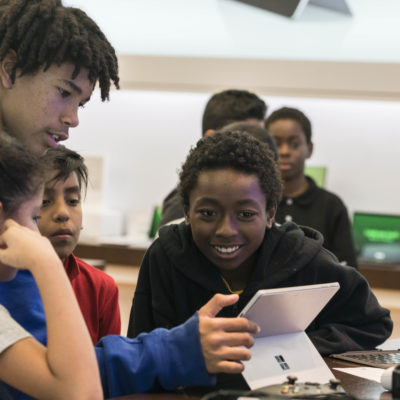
(237, 150)
(230, 106)
(44, 32)
(64, 162)
(295, 115)
(21, 174)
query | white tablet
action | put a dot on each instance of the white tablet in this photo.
(288, 310)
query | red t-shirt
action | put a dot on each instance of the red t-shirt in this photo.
(97, 295)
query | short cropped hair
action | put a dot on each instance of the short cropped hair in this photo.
(66, 162)
(258, 132)
(238, 151)
(44, 32)
(295, 115)
(230, 106)
(21, 174)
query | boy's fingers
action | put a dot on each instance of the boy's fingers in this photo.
(217, 303)
(235, 354)
(228, 367)
(239, 339)
(236, 325)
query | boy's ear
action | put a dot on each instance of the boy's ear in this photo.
(310, 147)
(186, 214)
(6, 67)
(271, 216)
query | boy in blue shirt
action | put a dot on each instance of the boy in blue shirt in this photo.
(67, 367)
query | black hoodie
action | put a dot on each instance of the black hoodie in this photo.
(176, 279)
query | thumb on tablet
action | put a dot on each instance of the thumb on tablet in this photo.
(217, 303)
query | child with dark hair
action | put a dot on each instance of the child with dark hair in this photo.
(54, 54)
(61, 222)
(232, 105)
(223, 108)
(67, 368)
(230, 187)
(303, 201)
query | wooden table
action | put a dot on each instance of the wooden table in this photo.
(380, 276)
(360, 388)
(111, 253)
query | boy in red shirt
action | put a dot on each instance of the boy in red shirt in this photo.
(61, 222)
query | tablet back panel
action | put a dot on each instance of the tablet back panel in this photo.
(288, 310)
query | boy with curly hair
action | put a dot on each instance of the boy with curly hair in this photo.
(230, 186)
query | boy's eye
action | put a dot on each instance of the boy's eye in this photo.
(295, 145)
(73, 202)
(45, 203)
(207, 213)
(247, 214)
(277, 141)
(63, 92)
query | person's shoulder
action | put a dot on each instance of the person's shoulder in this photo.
(94, 274)
(4, 312)
(329, 197)
(171, 237)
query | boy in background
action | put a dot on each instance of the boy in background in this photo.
(61, 222)
(222, 108)
(303, 202)
(230, 186)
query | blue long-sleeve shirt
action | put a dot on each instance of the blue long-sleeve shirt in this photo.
(161, 359)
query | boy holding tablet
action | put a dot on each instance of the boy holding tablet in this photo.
(230, 187)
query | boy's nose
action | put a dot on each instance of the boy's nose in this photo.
(70, 118)
(283, 149)
(62, 217)
(227, 227)
(61, 213)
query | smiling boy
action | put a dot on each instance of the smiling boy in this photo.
(230, 186)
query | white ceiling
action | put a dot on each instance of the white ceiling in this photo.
(227, 28)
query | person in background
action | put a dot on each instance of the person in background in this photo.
(61, 222)
(230, 186)
(222, 108)
(303, 202)
(51, 58)
(67, 368)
